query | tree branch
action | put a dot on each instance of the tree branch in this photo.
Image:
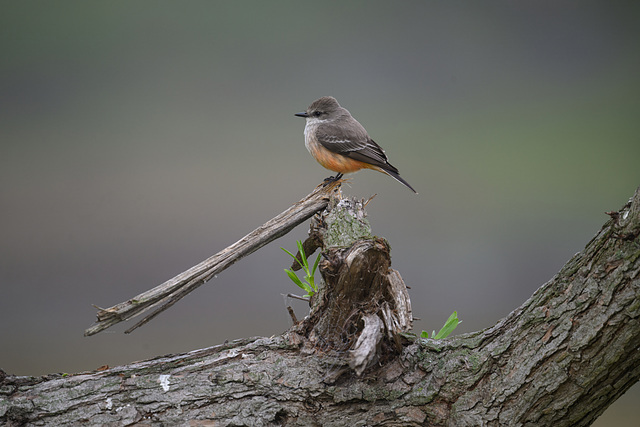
(558, 360)
(178, 287)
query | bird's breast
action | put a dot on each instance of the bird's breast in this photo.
(309, 135)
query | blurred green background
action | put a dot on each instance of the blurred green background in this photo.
(139, 138)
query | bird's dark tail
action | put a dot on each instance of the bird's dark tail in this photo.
(393, 173)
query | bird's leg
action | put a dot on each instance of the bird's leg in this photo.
(331, 179)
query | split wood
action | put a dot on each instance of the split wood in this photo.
(165, 295)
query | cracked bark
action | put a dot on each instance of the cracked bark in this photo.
(560, 359)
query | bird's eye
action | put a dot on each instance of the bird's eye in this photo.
(317, 113)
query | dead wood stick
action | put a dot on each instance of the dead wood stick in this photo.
(174, 289)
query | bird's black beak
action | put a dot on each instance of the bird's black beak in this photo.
(303, 114)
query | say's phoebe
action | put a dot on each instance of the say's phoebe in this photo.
(339, 143)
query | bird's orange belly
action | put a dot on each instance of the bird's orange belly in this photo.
(336, 162)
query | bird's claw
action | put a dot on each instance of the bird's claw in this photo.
(331, 179)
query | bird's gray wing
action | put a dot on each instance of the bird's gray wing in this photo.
(352, 141)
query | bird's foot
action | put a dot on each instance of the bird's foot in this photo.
(331, 179)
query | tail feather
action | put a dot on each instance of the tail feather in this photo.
(395, 175)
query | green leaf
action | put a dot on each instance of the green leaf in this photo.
(306, 288)
(309, 280)
(449, 326)
(303, 256)
(293, 277)
(293, 256)
(315, 265)
(309, 286)
(302, 285)
(290, 254)
(424, 334)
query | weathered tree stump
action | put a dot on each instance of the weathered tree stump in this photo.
(362, 305)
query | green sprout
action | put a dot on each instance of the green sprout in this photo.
(445, 331)
(308, 285)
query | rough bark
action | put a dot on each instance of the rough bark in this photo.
(558, 360)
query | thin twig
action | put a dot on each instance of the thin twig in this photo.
(294, 296)
(368, 200)
(292, 314)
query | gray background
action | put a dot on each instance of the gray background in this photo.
(139, 138)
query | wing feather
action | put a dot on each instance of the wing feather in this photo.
(352, 141)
